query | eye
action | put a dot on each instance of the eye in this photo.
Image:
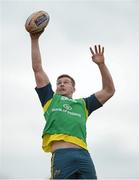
(58, 83)
(67, 82)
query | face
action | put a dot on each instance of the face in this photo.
(65, 87)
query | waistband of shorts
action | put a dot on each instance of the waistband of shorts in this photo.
(62, 150)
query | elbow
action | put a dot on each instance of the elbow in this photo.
(111, 92)
(105, 94)
(36, 67)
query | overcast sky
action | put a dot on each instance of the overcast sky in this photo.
(74, 26)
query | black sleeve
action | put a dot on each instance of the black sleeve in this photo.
(92, 103)
(45, 93)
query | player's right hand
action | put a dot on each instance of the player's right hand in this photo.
(36, 35)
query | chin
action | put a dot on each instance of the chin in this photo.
(61, 93)
(64, 94)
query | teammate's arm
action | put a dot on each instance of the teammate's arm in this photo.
(108, 89)
(40, 76)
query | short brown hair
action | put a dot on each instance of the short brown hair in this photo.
(66, 75)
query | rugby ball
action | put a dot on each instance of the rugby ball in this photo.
(37, 21)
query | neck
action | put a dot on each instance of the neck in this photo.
(68, 96)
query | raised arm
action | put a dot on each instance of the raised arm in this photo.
(108, 89)
(40, 76)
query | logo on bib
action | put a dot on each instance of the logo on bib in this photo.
(67, 107)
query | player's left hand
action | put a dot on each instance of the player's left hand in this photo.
(97, 54)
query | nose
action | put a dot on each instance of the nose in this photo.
(62, 84)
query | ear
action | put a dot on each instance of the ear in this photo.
(74, 89)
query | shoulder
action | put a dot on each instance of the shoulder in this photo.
(92, 103)
(45, 93)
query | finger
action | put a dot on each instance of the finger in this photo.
(99, 49)
(102, 50)
(96, 51)
(92, 51)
